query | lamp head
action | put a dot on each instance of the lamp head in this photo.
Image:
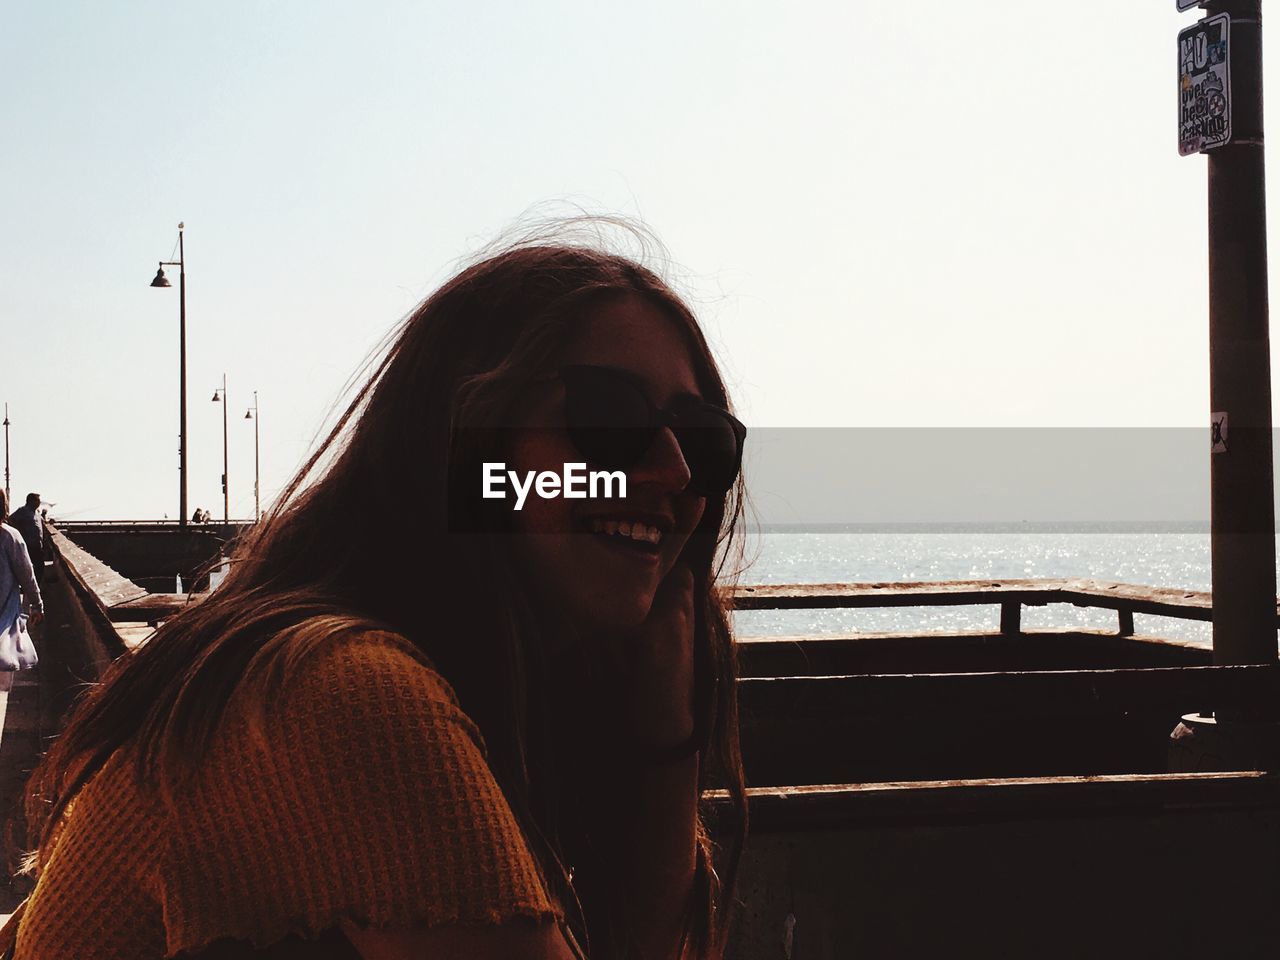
(161, 280)
(217, 395)
(248, 414)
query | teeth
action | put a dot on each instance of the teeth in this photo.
(628, 528)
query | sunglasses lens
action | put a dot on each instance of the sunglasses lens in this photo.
(712, 449)
(607, 418)
(613, 424)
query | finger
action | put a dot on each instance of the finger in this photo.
(668, 630)
(675, 593)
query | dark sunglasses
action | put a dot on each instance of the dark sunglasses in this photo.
(612, 422)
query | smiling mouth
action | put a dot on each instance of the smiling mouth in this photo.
(632, 536)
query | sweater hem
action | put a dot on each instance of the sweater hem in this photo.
(263, 935)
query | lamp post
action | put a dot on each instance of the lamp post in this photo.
(7, 496)
(162, 281)
(220, 396)
(252, 414)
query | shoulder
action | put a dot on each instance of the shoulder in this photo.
(322, 658)
(378, 656)
(10, 538)
(365, 794)
(369, 683)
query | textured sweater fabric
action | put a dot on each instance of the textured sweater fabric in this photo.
(368, 798)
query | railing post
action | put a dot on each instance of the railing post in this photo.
(1126, 623)
(1011, 617)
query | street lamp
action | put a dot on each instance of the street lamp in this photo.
(7, 496)
(252, 414)
(162, 281)
(220, 395)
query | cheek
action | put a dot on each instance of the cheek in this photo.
(689, 513)
(543, 517)
(543, 526)
(538, 451)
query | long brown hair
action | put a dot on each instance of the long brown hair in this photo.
(373, 541)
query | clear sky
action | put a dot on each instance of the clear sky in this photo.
(925, 214)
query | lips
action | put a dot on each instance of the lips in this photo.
(661, 520)
(632, 529)
(634, 532)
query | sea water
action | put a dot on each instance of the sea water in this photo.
(1173, 556)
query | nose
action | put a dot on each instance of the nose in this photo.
(663, 464)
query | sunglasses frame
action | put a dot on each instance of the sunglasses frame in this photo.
(657, 419)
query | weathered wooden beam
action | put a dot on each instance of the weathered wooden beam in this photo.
(75, 564)
(109, 586)
(1156, 601)
(918, 594)
(800, 808)
(960, 652)
(153, 607)
(1019, 695)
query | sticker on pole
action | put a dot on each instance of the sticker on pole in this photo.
(1204, 85)
(1218, 432)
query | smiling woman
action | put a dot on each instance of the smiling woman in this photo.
(459, 731)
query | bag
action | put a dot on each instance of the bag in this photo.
(17, 652)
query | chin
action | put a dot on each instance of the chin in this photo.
(614, 612)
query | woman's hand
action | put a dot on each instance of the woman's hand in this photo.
(655, 667)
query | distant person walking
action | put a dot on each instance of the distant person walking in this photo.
(29, 521)
(18, 587)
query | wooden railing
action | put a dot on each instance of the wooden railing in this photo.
(73, 525)
(1011, 596)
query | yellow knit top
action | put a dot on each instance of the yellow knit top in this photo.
(370, 800)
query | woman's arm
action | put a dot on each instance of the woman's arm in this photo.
(654, 849)
(648, 822)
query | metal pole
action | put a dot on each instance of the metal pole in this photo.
(182, 381)
(226, 497)
(257, 504)
(1243, 524)
(8, 497)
